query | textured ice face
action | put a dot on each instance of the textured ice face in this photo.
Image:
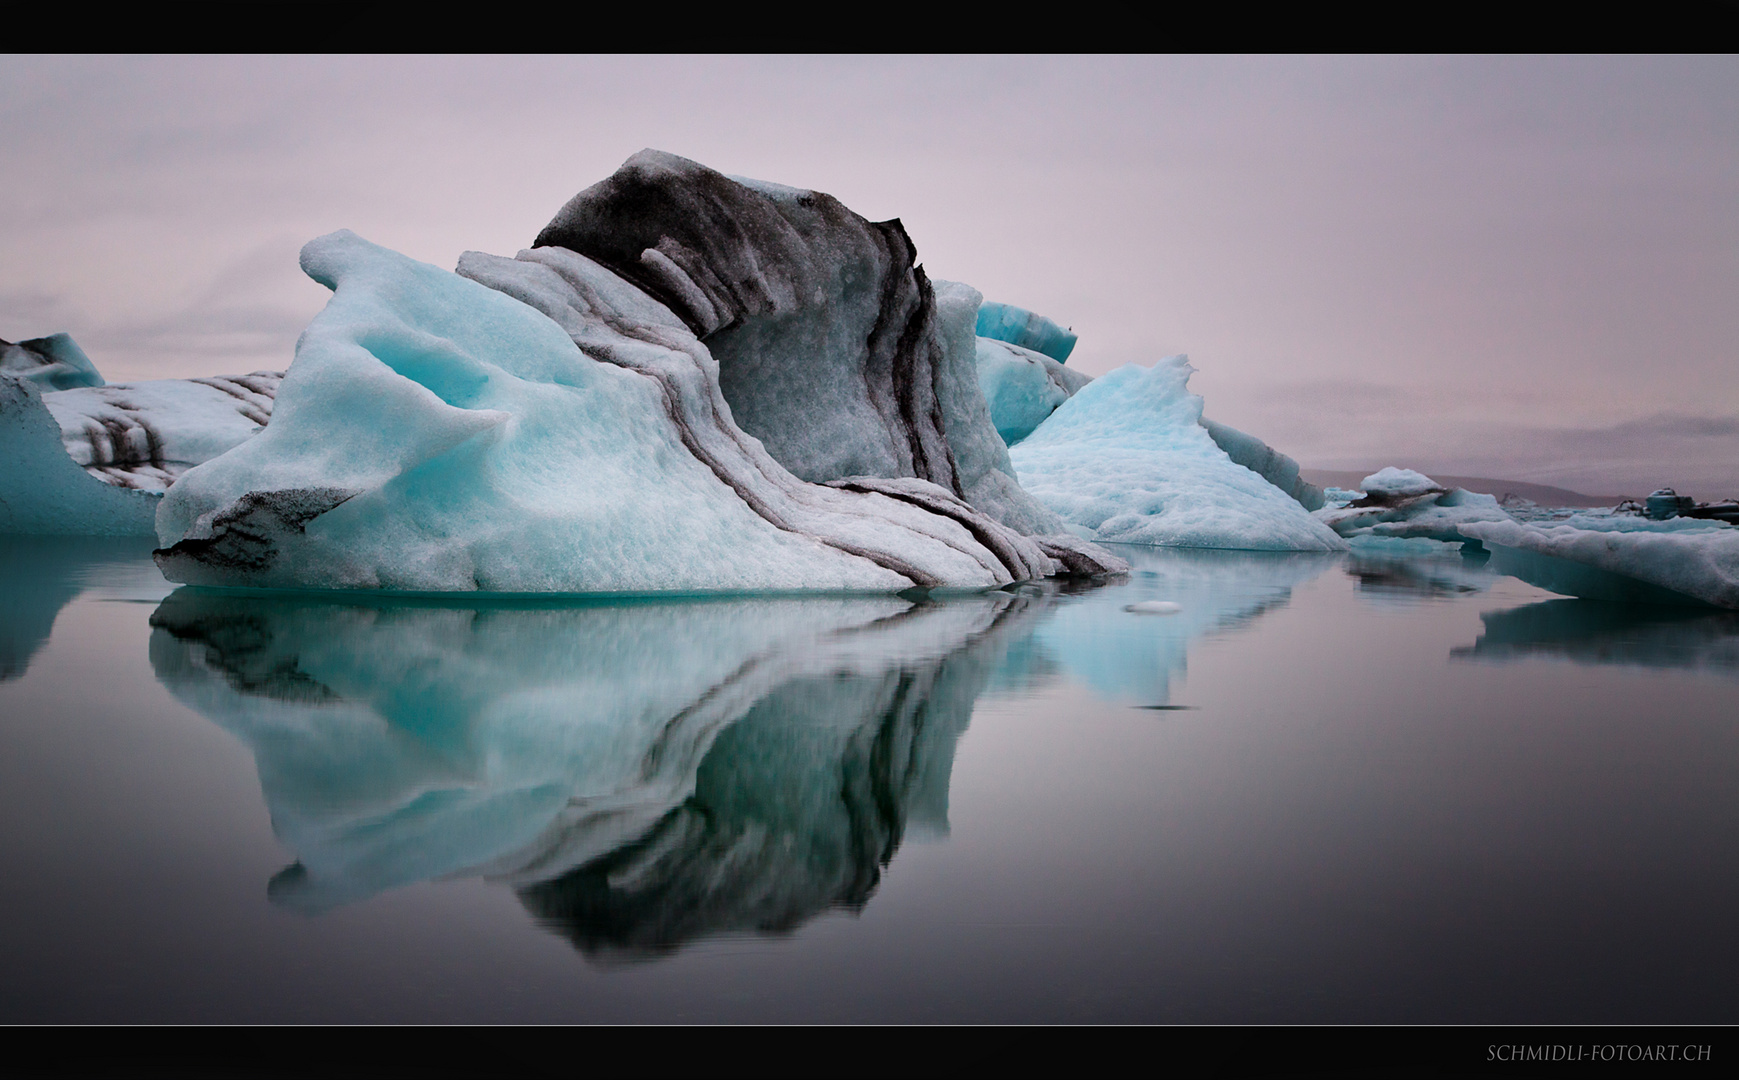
(144, 435)
(44, 491)
(1127, 460)
(56, 410)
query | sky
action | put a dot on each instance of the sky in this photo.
(1518, 267)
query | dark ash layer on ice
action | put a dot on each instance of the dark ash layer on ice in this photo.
(693, 384)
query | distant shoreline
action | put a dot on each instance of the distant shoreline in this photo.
(1543, 494)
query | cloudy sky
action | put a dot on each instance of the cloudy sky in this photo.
(1518, 267)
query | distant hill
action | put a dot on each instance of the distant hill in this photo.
(1544, 494)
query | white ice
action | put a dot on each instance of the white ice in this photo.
(1127, 460)
(1620, 558)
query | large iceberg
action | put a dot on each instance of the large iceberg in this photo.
(1126, 459)
(544, 424)
(79, 455)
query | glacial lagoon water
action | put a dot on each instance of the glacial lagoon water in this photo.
(1324, 788)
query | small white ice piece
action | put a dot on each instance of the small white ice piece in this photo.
(1153, 607)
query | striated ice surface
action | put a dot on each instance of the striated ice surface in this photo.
(1127, 460)
(551, 429)
(125, 443)
(832, 346)
(146, 434)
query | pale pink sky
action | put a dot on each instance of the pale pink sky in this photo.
(1524, 267)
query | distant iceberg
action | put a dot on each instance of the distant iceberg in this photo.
(1025, 329)
(1126, 459)
(1404, 504)
(79, 456)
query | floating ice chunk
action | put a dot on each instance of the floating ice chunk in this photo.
(1139, 660)
(1126, 459)
(1624, 559)
(1402, 504)
(1027, 329)
(133, 436)
(1022, 387)
(42, 490)
(438, 434)
(1393, 483)
(52, 363)
(1153, 607)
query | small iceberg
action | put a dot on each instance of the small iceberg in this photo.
(1403, 504)
(80, 456)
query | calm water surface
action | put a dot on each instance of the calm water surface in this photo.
(1336, 788)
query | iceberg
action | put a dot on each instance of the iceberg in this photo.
(79, 456)
(1403, 504)
(1126, 459)
(52, 363)
(1022, 387)
(1620, 558)
(1025, 329)
(693, 384)
(1265, 461)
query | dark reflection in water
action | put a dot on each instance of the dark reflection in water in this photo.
(644, 773)
(1402, 577)
(39, 575)
(1595, 632)
(647, 773)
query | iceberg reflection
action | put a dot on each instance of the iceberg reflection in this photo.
(1134, 655)
(643, 772)
(1596, 632)
(39, 575)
